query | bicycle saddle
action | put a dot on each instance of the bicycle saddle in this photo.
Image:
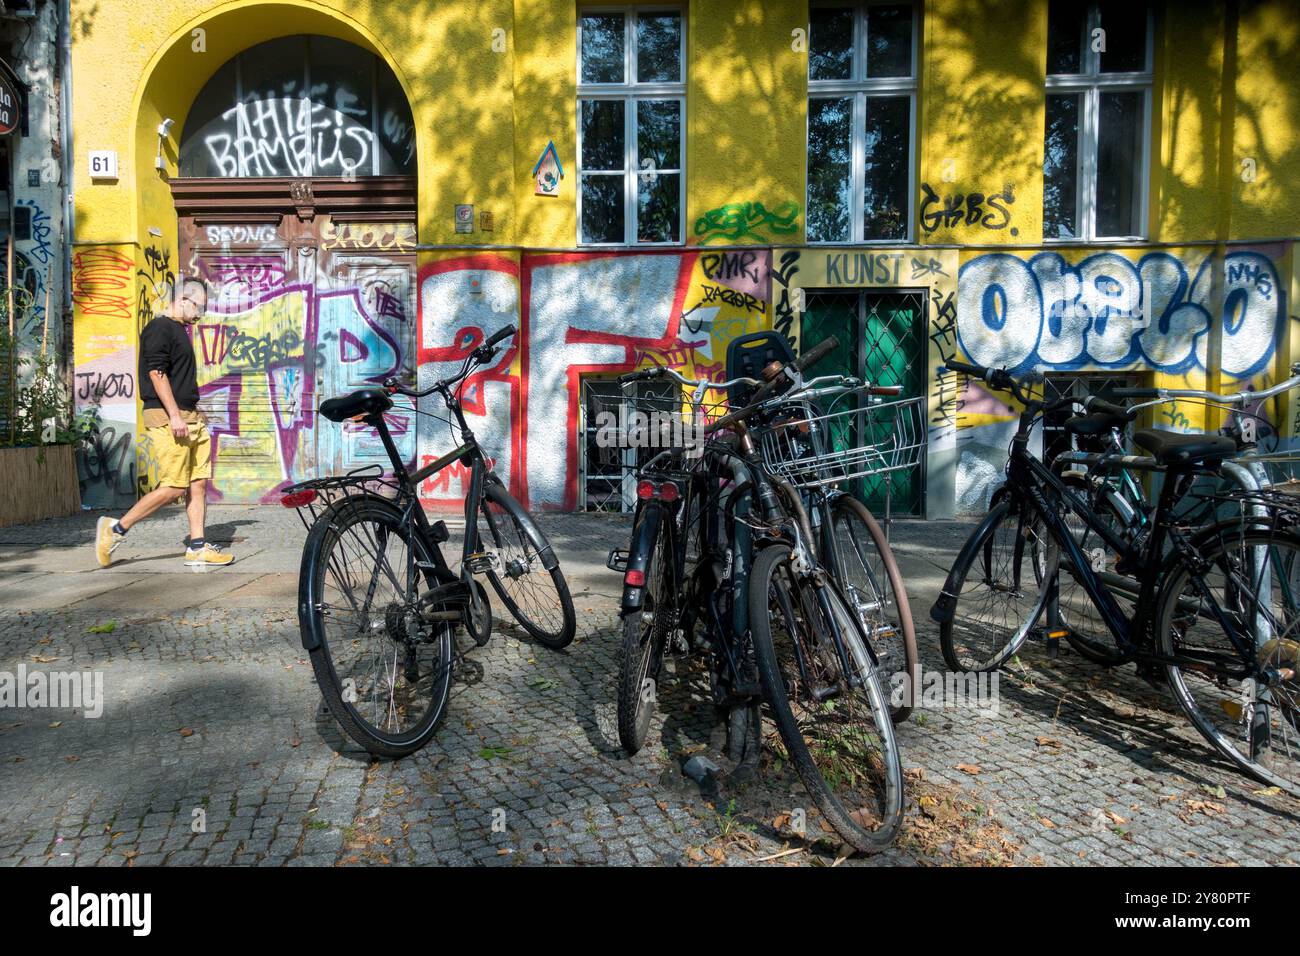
(364, 401)
(1176, 450)
(1098, 423)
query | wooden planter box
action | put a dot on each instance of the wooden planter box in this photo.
(31, 490)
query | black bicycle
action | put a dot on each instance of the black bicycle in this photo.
(1209, 600)
(732, 546)
(378, 605)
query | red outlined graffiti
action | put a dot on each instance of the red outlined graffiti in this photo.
(100, 279)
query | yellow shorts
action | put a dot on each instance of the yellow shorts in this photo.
(181, 460)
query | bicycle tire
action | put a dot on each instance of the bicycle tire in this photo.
(981, 551)
(866, 828)
(642, 649)
(550, 620)
(327, 537)
(874, 613)
(1100, 651)
(1210, 705)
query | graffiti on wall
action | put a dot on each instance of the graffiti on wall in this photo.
(1138, 311)
(749, 221)
(585, 314)
(104, 338)
(1108, 311)
(987, 210)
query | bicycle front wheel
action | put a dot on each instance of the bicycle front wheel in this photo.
(384, 674)
(866, 570)
(830, 709)
(645, 635)
(998, 592)
(526, 575)
(1247, 705)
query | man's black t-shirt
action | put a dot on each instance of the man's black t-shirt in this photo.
(164, 347)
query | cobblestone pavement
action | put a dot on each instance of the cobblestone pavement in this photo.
(214, 746)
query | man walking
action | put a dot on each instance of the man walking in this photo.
(176, 429)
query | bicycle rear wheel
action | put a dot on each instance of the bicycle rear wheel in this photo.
(1247, 706)
(834, 720)
(384, 674)
(528, 578)
(869, 575)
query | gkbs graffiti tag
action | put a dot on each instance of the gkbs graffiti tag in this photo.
(1108, 311)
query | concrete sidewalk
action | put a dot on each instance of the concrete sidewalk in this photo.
(53, 565)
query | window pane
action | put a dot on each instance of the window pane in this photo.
(602, 134)
(602, 48)
(830, 151)
(1061, 167)
(658, 207)
(889, 41)
(659, 48)
(1066, 22)
(602, 208)
(1118, 154)
(396, 127)
(658, 134)
(1126, 37)
(830, 47)
(885, 185)
(341, 124)
(208, 147)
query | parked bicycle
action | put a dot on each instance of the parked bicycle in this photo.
(777, 623)
(1213, 608)
(378, 604)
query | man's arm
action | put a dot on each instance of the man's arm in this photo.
(164, 389)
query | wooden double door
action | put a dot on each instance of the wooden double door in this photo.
(313, 288)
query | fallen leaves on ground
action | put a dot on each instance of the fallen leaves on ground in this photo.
(969, 768)
(954, 829)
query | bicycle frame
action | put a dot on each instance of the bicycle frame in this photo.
(1027, 479)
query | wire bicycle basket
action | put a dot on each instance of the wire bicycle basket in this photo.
(811, 448)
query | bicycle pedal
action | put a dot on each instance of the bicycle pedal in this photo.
(617, 560)
(483, 562)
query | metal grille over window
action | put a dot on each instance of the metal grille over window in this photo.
(300, 106)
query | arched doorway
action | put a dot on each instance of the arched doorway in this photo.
(296, 200)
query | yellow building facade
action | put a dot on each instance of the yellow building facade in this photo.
(364, 185)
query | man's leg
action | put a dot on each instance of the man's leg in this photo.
(158, 498)
(196, 507)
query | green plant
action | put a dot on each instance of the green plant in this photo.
(37, 406)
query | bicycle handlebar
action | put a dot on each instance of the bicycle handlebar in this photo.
(481, 356)
(789, 373)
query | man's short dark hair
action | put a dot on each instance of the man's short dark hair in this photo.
(198, 281)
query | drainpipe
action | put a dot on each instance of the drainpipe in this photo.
(1223, 225)
(65, 138)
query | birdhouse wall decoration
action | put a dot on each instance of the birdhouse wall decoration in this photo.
(548, 172)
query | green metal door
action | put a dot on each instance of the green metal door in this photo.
(882, 340)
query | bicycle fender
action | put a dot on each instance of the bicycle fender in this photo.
(644, 535)
(946, 606)
(495, 490)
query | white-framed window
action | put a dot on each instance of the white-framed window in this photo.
(1096, 141)
(861, 121)
(631, 122)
